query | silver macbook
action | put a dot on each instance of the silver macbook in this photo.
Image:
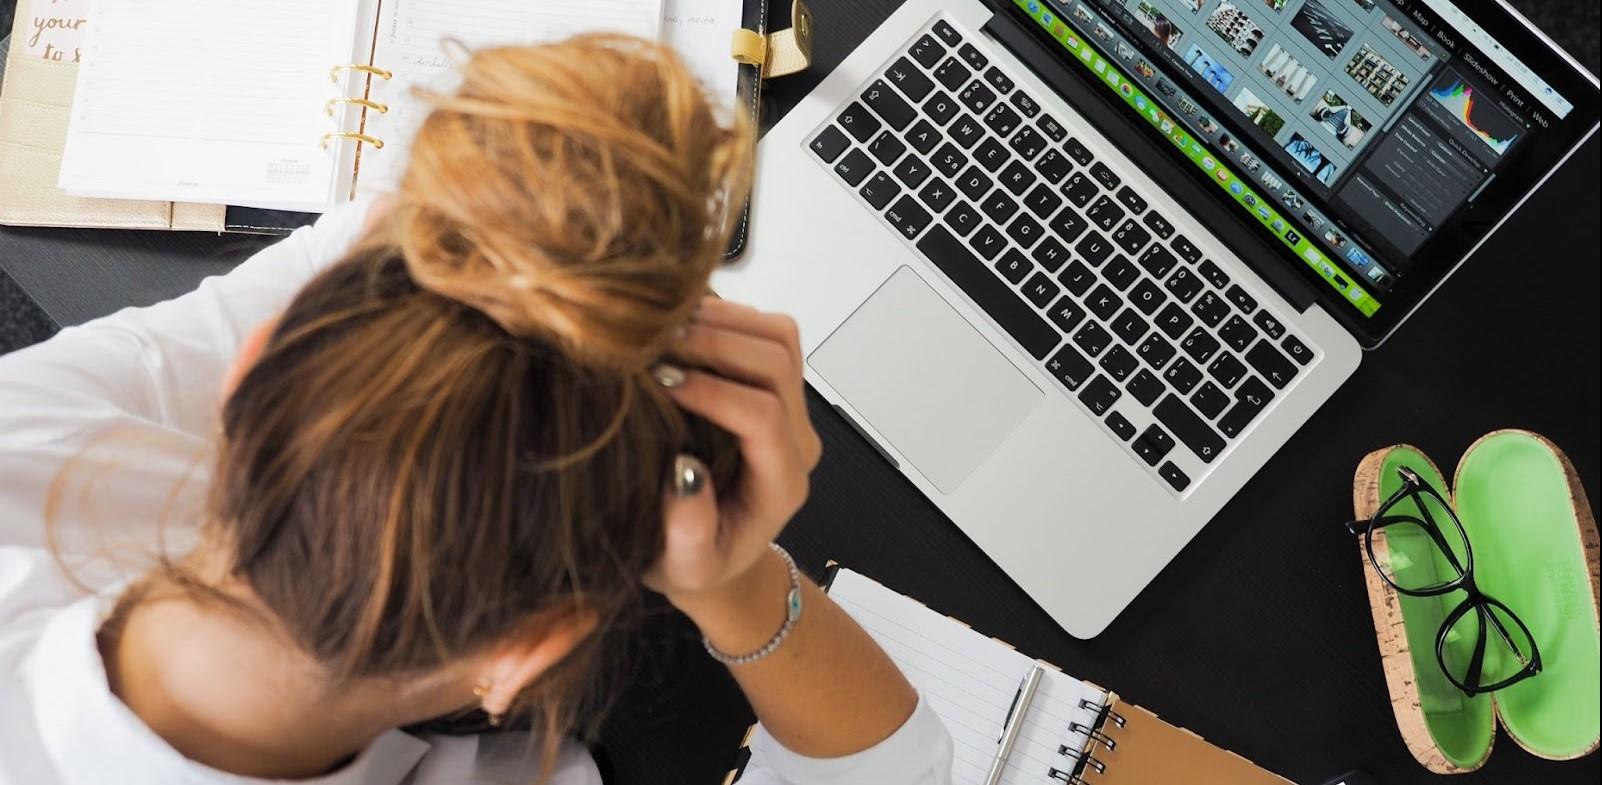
(1080, 267)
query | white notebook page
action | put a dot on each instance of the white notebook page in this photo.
(702, 32)
(218, 101)
(970, 681)
(411, 44)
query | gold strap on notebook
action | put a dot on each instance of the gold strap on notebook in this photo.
(373, 105)
(781, 53)
(377, 143)
(333, 73)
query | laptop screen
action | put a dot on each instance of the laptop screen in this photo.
(1376, 140)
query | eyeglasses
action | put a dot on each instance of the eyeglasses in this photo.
(1423, 551)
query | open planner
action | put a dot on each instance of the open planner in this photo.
(1067, 731)
(302, 104)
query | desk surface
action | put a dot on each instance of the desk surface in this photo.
(1257, 636)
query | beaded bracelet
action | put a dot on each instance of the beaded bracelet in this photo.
(792, 607)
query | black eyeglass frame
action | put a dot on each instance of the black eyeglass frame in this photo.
(1476, 600)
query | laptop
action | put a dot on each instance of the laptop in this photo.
(1078, 268)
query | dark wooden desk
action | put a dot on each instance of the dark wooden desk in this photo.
(1257, 636)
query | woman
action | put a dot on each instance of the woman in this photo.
(459, 436)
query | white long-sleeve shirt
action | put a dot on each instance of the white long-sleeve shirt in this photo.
(128, 404)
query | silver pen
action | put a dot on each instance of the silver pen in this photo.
(1014, 724)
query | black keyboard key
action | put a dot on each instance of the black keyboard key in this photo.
(1104, 175)
(1237, 333)
(941, 107)
(1146, 387)
(1185, 248)
(999, 80)
(1120, 273)
(999, 206)
(906, 76)
(1050, 254)
(1173, 321)
(1226, 369)
(1025, 104)
(1271, 364)
(1040, 289)
(927, 51)
(879, 190)
(1066, 314)
(991, 294)
(859, 122)
(911, 171)
(1077, 151)
(1119, 363)
(1213, 274)
(988, 242)
(1053, 166)
(1153, 445)
(887, 148)
(1147, 297)
(966, 131)
(963, 219)
(1017, 178)
(1157, 261)
(1200, 345)
(1121, 426)
(1158, 224)
(1100, 395)
(923, 137)
(953, 74)
(907, 217)
(1068, 225)
(1105, 213)
(1130, 327)
(976, 97)
(1209, 400)
(1042, 201)
(1182, 376)
(1078, 278)
(1070, 367)
(974, 183)
(1052, 128)
(991, 155)
(1174, 476)
(937, 195)
(1211, 309)
(1270, 326)
(1014, 266)
(1093, 248)
(1183, 284)
(948, 160)
(973, 57)
(1297, 350)
(1092, 338)
(1155, 351)
(1190, 429)
(1027, 143)
(1025, 232)
(1250, 400)
(1080, 189)
(1131, 237)
(1103, 302)
(829, 144)
(855, 167)
(1132, 200)
(884, 101)
(947, 33)
(1003, 120)
(1245, 302)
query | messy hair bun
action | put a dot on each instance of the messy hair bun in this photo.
(579, 193)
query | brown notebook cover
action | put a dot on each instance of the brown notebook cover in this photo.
(1144, 750)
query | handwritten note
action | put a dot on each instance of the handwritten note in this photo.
(702, 31)
(55, 29)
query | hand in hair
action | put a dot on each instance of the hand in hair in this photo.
(753, 389)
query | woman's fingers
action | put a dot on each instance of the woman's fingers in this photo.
(778, 328)
(689, 530)
(712, 342)
(774, 474)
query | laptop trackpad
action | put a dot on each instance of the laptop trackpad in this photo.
(926, 379)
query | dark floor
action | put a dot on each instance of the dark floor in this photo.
(1573, 23)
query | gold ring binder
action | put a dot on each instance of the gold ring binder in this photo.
(378, 144)
(333, 73)
(373, 105)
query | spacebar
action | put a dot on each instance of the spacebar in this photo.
(995, 298)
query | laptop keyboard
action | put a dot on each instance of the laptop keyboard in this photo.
(1158, 343)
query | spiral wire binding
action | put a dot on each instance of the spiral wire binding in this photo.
(1092, 729)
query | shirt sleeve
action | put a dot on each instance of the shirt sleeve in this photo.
(918, 753)
(133, 398)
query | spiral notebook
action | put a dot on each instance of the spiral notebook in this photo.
(1069, 731)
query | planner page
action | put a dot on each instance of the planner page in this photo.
(417, 42)
(213, 101)
(970, 681)
(702, 32)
